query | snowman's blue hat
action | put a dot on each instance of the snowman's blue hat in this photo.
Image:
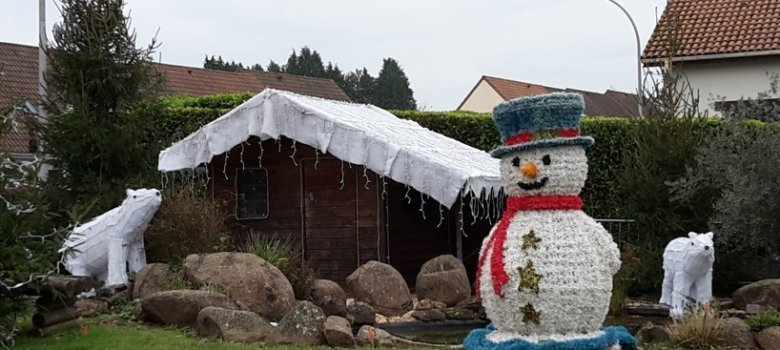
(549, 120)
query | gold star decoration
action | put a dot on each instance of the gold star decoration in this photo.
(530, 315)
(530, 241)
(529, 278)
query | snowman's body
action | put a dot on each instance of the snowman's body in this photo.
(574, 256)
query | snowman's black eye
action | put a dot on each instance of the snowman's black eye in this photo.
(546, 159)
(691, 243)
(516, 162)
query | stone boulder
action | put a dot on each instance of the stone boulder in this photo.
(429, 315)
(653, 333)
(181, 307)
(460, 314)
(428, 304)
(769, 339)
(253, 283)
(443, 279)
(737, 334)
(234, 325)
(303, 325)
(90, 307)
(329, 296)
(765, 293)
(374, 337)
(151, 279)
(359, 313)
(382, 287)
(338, 332)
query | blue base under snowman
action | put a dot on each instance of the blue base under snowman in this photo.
(478, 340)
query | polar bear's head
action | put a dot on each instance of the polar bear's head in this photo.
(699, 252)
(148, 199)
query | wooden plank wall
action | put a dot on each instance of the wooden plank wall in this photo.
(331, 221)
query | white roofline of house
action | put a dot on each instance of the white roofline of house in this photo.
(720, 56)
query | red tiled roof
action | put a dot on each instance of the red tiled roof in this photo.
(610, 103)
(191, 81)
(716, 27)
(19, 81)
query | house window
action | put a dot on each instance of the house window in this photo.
(251, 193)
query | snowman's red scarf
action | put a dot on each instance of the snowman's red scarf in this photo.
(498, 238)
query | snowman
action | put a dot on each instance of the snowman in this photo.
(545, 271)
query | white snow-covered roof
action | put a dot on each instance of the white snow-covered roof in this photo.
(360, 134)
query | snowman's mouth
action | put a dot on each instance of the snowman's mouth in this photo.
(533, 185)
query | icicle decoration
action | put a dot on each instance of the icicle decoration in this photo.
(241, 155)
(441, 215)
(342, 176)
(260, 157)
(384, 187)
(407, 197)
(224, 166)
(295, 149)
(365, 175)
(460, 217)
(316, 158)
(279, 144)
(422, 205)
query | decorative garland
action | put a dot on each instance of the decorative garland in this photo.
(477, 340)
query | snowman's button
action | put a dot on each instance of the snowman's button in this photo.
(530, 241)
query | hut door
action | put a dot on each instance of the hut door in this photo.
(330, 218)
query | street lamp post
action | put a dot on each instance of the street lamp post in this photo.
(638, 56)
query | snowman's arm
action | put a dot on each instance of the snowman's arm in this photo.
(608, 247)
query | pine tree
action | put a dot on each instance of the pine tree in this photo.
(310, 63)
(257, 67)
(104, 141)
(334, 73)
(274, 67)
(359, 86)
(392, 89)
(292, 64)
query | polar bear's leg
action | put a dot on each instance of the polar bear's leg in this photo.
(77, 269)
(136, 258)
(666, 288)
(704, 288)
(117, 263)
(681, 288)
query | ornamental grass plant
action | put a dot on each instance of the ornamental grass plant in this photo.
(700, 328)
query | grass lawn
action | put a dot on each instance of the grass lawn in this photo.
(132, 337)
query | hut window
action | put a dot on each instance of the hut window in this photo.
(251, 193)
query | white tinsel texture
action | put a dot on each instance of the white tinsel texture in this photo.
(105, 246)
(688, 271)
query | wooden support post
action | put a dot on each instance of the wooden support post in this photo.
(43, 320)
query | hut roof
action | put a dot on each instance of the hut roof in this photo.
(402, 150)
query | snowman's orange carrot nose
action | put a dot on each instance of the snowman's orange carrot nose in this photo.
(529, 169)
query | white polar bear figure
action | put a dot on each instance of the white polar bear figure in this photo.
(107, 244)
(688, 272)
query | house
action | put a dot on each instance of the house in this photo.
(490, 91)
(348, 183)
(725, 48)
(19, 82)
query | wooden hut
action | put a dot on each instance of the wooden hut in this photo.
(347, 183)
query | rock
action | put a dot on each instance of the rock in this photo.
(652, 333)
(753, 309)
(407, 317)
(303, 325)
(429, 315)
(382, 287)
(428, 304)
(253, 283)
(121, 298)
(474, 305)
(233, 325)
(725, 304)
(737, 334)
(765, 292)
(89, 307)
(329, 296)
(443, 279)
(338, 332)
(370, 336)
(460, 314)
(769, 339)
(181, 307)
(151, 279)
(380, 319)
(112, 320)
(359, 313)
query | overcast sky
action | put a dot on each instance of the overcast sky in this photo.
(443, 45)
